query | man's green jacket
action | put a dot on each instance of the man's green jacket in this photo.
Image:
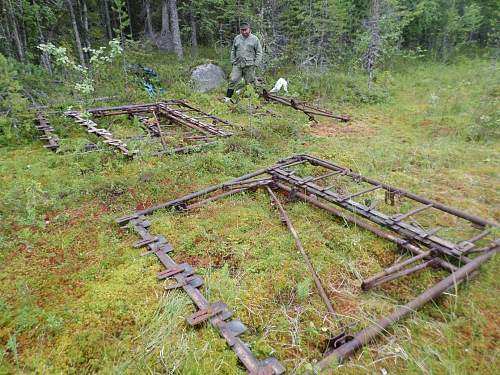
(246, 51)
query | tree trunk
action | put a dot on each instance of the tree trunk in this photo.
(83, 25)
(5, 35)
(44, 58)
(86, 23)
(22, 27)
(129, 12)
(165, 41)
(107, 20)
(174, 27)
(194, 36)
(76, 32)
(374, 47)
(15, 32)
(148, 25)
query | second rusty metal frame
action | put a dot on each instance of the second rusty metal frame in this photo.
(425, 246)
(178, 113)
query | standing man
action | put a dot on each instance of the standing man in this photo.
(246, 54)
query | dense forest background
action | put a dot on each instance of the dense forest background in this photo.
(306, 33)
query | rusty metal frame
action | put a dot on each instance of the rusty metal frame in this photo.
(426, 247)
(218, 314)
(179, 114)
(46, 132)
(302, 106)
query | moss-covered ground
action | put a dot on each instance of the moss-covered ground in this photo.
(77, 298)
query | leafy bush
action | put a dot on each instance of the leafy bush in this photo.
(15, 120)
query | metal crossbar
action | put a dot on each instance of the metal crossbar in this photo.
(427, 248)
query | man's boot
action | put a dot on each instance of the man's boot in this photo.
(229, 94)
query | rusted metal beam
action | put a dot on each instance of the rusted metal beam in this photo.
(298, 243)
(179, 117)
(394, 268)
(185, 199)
(123, 109)
(380, 327)
(214, 198)
(308, 109)
(396, 275)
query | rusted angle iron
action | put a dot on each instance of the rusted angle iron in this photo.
(184, 104)
(123, 109)
(47, 132)
(299, 105)
(92, 128)
(298, 243)
(371, 332)
(182, 202)
(218, 314)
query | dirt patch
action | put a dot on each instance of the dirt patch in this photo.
(143, 205)
(442, 132)
(333, 129)
(425, 123)
(213, 261)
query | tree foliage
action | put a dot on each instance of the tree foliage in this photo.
(308, 33)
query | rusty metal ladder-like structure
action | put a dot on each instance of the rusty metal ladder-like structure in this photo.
(47, 132)
(178, 113)
(92, 128)
(304, 107)
(218, 313)
(427, 249)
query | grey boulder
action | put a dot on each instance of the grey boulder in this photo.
(207, 77)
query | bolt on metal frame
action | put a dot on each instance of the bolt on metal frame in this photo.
(426, 247)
